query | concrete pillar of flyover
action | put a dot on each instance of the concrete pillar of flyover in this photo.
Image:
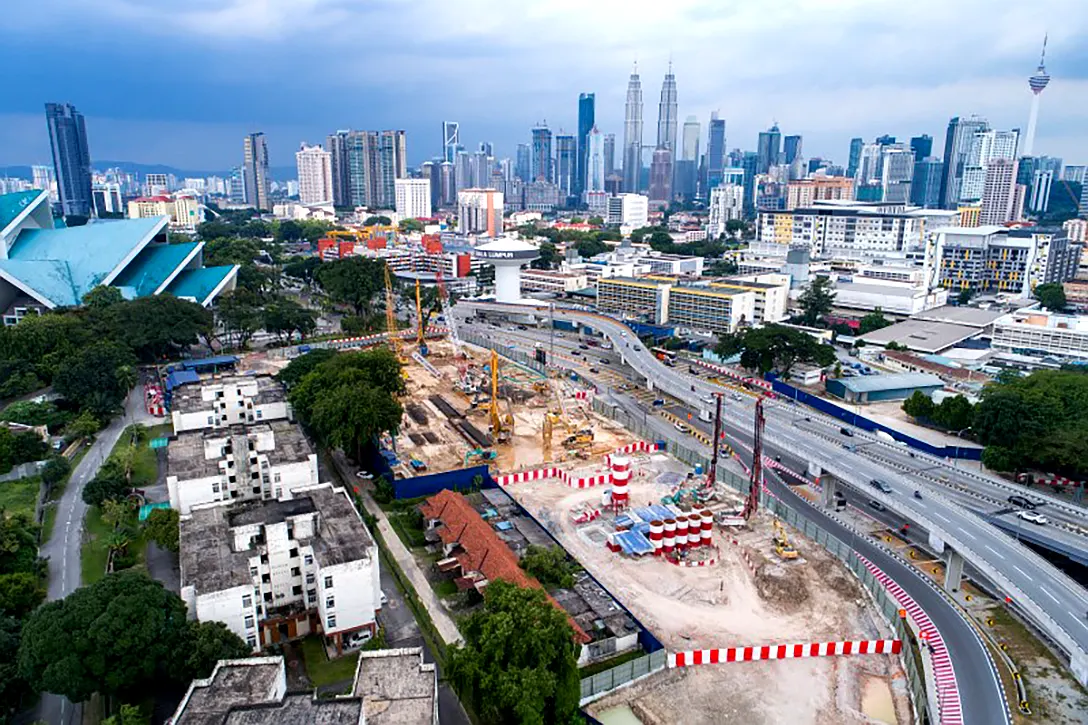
(829, 485)
(649, 384)
(953, 563)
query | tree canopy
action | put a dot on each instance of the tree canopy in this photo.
(162, 528)
(775, 348)
(1039, 421)
(354, 281)
(119, 636)
(240, 314)
(1051, 296)
(519, 660)
(349, 399)
(97, 377)
(816, 301)
(873, 321)
(549, 565)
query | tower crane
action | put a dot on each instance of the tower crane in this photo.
(421, 340)
(391, 314)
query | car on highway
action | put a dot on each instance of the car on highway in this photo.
(680, 427)
(605, 362)
(873, 503)
(707, 399)
(594, 370)
(880, 485)
(583, 347)
(846, 432)
(1022, 501)
(522, 327)
(1032, 517)
(575, 353)
(560, 334)
(659, 402)
(623, 334)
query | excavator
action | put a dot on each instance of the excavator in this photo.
(502, 427)
(782, 546)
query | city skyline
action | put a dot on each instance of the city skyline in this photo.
(905, 94)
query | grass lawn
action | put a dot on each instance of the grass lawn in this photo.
(445, 588)
(94, 553)
(412, 537)
(323, 671)
(145, 464)
(20, 496)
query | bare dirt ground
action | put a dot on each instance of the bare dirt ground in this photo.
(810, 599)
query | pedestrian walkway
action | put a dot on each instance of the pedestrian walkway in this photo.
(407, 563)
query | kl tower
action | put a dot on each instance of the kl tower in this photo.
(1037, 83)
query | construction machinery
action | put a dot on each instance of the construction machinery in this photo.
(752, 504)
(421, 340)
(477, 455)
(391, 315)
(782, 546)
(501, 427)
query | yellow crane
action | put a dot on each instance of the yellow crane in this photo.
(501, 428)
(420, 339)
(391, 314)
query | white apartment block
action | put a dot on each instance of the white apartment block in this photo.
(546, 280)
(314, 174)
(184, 212)
(711, 308)
(629, 210)
(413, 198)
(726, 204)
(261, 461)
(1042, 333)
(479, 211)
(772, 294)
(273, 571)
(222, 402)
(999, 193)
(986, 147)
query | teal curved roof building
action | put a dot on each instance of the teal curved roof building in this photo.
(44, 265)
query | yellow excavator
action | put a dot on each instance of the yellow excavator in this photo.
(782, 546)
(502, 427)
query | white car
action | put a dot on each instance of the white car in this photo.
(623, 334)
(680, 427)
(364, 475)
(1032, 517)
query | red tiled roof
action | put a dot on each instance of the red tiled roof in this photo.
(483, 550)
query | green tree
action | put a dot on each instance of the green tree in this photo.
(29, 412)
(596, 221)
(303, 365)
(288, 231)
(775, 348)
(661, 241)
(548, 257)
(720, 268)
(737, 228)
(918, 405)
(591, 247)
(549, 565)
(816, 301)
(90, 378)
(377, 221)
(162, 528)
(84, 426)
(15, 692)
(19, 545)
(893, 345)
(519, 660)
(285, 318)
(118, 636)
(354, 281)
(128, 715)
(109, 484)
(162, 326)
(955, 413)
(103, 296)
(206, 644)
(1052, 296)
(965, 295)
(239, 311)
(55, 470)
(407, 226)
(20, 593)
(303, 269)
(873, 321)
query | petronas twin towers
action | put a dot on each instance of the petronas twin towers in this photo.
(667, 123)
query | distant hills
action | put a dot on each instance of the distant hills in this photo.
(278, 173)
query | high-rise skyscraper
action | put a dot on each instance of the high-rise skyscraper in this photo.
(769, 149)
(791, 148)
(632, 134)
(999, 192)
(667, 114)
(255, 163)
(595, 160)
(237, 185)
(661, 177)
(337, 145)
(609, 154)
(855, 156)
(451, 139)
(715, 152)
(375, 160)
(566, 151)
(1037, 83)
(922, 146)
(432, 172)
(542, 153)
(986, 146)
(896, 172)
(687, 166)
(925, 187)
(586, 112)
(314, 165)
(71, 158)
(524, 165)
(957, 145)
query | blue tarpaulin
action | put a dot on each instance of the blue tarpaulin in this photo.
(180, 377)
(206, 363)
(634, 543)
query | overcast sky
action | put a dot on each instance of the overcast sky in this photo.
(179, 83)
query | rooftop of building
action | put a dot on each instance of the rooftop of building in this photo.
(552, 273)
(943, 367)
(1045, 318)
(154, 265)
(482, 549)
(899, 381)
(185, 454)
(209, 564)
(189, 399)
(921, 335)
(980, 231)
(397, 687)
(233, 683)
(960, 315)
(299, 708)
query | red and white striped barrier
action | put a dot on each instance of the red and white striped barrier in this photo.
(636, 447)
(539, 474)
(153, 399)
(1058, 481)
(747, 380)
(583, 394)
(689, 658)
(948, 693)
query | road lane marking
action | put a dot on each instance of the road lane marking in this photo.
(1050, 595)
(942, 517)
(1024, 573)
(991, 550)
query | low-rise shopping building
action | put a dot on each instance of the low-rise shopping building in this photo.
(261, 461)
(1041, 333)
(277, 570)
(391, 687)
